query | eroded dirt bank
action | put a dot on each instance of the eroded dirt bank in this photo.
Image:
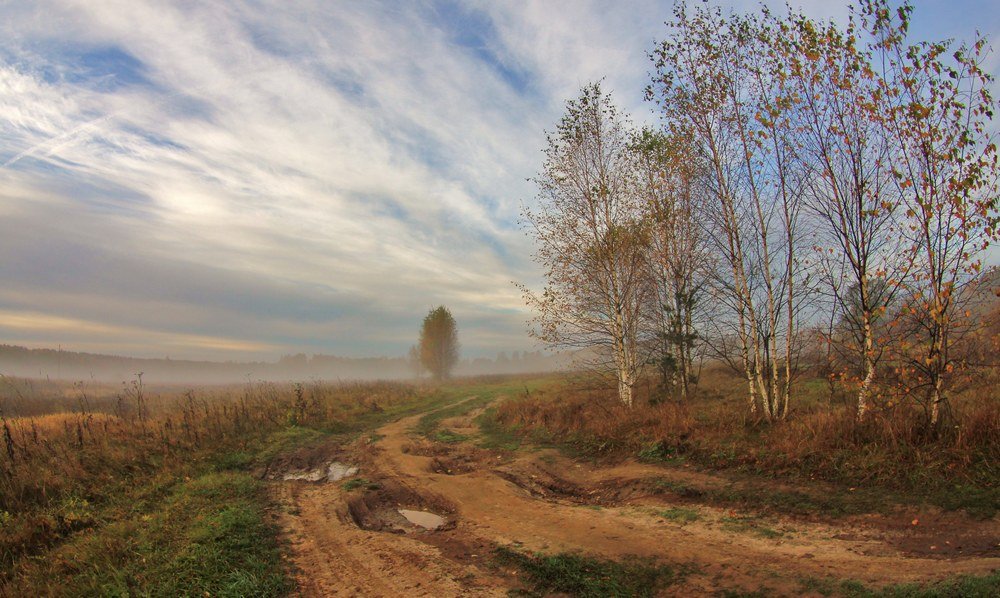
(350, 538)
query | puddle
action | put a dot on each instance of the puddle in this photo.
(334, 472)
(309, 476)
(422, 518)
(338, 471)
(397, 509)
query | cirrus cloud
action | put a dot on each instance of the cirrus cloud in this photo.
(218, 179)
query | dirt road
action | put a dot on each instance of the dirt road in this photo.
(349, 538)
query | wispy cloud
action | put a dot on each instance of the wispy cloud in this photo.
(308, 177)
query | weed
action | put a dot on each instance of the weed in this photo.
(679, 488)
(579, 575)
(680, 514)
(749, 525)
(448, 437)
(964, 586)
(362, 483)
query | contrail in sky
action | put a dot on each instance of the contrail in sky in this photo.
(55, 143)
(59, 141)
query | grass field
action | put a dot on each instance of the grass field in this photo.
(160, 493)
(157, 496)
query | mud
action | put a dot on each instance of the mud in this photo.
(429, 521)
(383, 509)
(358, 542)
(332, 472)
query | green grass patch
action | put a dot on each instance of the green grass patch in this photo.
(964, 586)
(579, 575)
(659, 452)
(286, 440)
(359, 483)
(208, 537)
(448, 437)
(680, 514)
(749, 525)
(982, 503)
(494, 435)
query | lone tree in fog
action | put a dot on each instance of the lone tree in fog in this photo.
(439, 343)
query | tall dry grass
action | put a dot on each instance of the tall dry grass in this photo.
(66, 471)
(820, 440)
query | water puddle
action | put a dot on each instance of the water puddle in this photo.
(308, 476)
(337, 471)
(334, 472)
(422, 518)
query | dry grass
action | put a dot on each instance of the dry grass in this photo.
(820, 440)
(115, 454)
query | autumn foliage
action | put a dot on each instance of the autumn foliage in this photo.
(819, 199)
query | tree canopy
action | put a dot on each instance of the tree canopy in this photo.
(438, 345)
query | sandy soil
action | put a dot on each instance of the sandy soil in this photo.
(354, 541)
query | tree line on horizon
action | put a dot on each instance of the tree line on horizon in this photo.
(819, 195)
(40, 364)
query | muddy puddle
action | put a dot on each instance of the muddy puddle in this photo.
(424, 519)
(396, 508)
(333, 472)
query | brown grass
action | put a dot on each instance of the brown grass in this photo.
(69, 471)
(820, 439)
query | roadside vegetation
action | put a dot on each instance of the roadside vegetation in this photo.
(887, 460)
(817, 203)
(789, 275)
(578, 575)
(158, 492)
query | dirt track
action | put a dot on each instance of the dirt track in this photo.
(353, 542)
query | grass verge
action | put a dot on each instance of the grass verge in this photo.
(479, 396)
(208, 537)
(965, 586)
(578, 575)
(680, 514)
(166, 505)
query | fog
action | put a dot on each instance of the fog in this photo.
(50, 364)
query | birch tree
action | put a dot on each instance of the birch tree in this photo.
(670, 183)
(716, 79)
(946, 171)
(592, 240)
(850, 194)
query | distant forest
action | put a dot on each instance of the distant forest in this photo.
(72, 366)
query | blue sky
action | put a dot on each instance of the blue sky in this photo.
(247, 179)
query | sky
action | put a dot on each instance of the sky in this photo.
(244, 180)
